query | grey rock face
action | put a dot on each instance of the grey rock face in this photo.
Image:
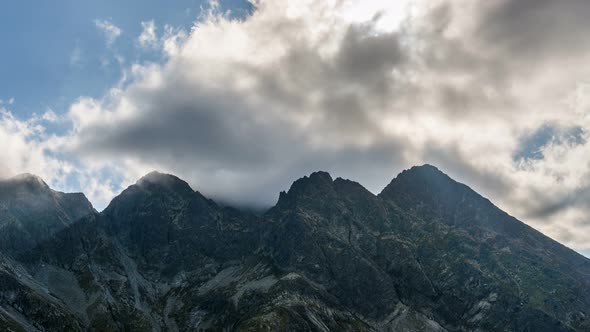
(427, 254)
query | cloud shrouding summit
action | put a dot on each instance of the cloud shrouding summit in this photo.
(494, 93)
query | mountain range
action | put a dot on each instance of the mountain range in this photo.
(426, 254)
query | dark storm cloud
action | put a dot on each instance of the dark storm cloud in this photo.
(544, 205)
(355, 78)
(189, 124)
(366, 58)
(536, 29)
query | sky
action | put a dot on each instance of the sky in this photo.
(241, 98)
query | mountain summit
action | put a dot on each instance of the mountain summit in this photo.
(31, 212)
(426, 254)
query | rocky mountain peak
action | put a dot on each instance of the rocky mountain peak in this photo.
(164, 181)
(427, 254)
(427, 185)
(315, 179)
(153, 186)
(321, 176)
(420, 176)
(155, 194)
(32, 192)
(30, 212)
(28, 177)
(318, 185)
(24, 184)
(431, 194)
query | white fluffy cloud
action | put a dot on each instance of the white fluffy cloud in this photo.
(148, 37)
(28, 148)
(110, 31)
(22, 148)
(490, 92)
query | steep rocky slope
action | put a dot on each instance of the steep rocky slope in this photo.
(427, 254)
(472, 247)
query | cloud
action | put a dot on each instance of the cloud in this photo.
(220, 107)
(544, 29)
(50, 116)
(533, 144)
(148, 37)
(25, 143)
(110, 31)
(28, 148)
(488, 91)
(76, 56)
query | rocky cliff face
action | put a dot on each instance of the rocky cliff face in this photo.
(472, 247)
(427, 254)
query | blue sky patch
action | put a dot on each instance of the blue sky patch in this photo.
(531, 145)
(53, 52)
